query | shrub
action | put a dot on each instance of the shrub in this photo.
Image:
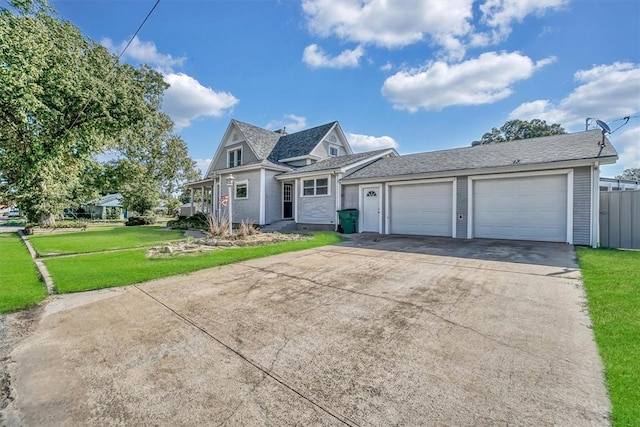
(199, 220)
(246, 229)
(218, 228)
(141, 220)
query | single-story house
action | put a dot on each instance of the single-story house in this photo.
(543, 189)
(615, 184)
(106, 207)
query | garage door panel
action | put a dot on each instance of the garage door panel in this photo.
(531, 208)
(423, 209)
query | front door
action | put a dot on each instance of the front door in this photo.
(287, 201)
(371, 209)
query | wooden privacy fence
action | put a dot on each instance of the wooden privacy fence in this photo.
(620, 219)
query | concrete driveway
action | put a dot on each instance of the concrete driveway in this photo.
(381, 331)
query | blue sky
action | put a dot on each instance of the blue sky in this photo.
(419, 75)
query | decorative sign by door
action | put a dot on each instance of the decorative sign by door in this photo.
(224, 200)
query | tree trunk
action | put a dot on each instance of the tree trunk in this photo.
(47, 220)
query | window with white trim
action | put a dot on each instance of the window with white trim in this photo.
(234, 157)
(333, 151)
(315, 187)
(241, 190)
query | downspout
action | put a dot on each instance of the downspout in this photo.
(338, 197)
(262, 199)
(595, 216)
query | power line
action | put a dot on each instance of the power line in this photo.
(139, 28)
(112, 68)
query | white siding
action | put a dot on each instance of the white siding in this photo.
(247, 156)
(273, 197)
(582, 206)
(246, 209)
(317, 209)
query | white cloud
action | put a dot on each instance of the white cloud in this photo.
(499, 16)
(367, 143)
(604, 91)
(202, 165)
(481, 80)
(628, 146)
(291, 122)
(387, 23)
(315, 57)
(387, 67)
(144, 53)
(186, 99)
(400, 23)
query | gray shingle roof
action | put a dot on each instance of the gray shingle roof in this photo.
(299, 143)
(333, 163)
(550, 149)
(261, 140)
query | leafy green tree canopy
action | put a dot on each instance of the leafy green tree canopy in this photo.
(520, 129)
(632, 174)
(63, 98)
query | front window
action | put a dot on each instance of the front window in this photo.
(235, 157)
(315, 187)
(242, 190)
(333, 151)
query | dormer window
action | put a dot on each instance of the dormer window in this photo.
(234, 157)
(333, 151)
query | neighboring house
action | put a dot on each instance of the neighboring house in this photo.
(106, 207)
(614, 184)
(543, 189)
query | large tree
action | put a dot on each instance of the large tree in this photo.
(520, 129)
(149, 162)
(632, 174)
(63, 98)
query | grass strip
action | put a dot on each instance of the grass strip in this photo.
(102, 239)
(20, 285)
(105, 270)
(612, 282)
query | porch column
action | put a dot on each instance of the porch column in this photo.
(191, 208)
(213, 201)
(203, 197)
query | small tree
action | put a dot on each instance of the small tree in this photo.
(632, 174)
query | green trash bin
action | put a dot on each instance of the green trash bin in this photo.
(348, 219)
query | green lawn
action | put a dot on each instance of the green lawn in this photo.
(101, 239)
(20, 284)
(612, 282)
(109, 269)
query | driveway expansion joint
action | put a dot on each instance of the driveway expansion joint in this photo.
(339, 417)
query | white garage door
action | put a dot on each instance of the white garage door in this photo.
(531, 208)
(424, 209)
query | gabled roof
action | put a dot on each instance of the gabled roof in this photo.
(334, 163)
(114, 200)
(260, 140)
(544, 150)
(299, 143)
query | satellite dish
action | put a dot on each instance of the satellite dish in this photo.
(605, 127)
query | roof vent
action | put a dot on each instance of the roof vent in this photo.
(516, 161)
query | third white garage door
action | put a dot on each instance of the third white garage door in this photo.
(529, 208)
(422, 208)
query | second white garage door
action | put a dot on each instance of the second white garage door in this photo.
(423, 209)
(530, 208)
